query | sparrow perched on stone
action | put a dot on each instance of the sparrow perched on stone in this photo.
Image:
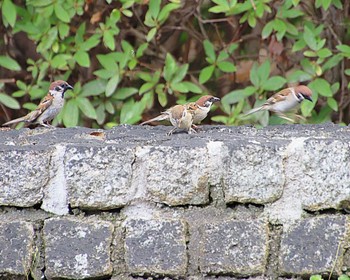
(180, 116)
(200, 110)
(284, 101)
(48, 108)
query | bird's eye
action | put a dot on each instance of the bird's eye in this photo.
(58, 88)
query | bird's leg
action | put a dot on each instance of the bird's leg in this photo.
(282, 116)
(195, 127)
(171, 131)
(46, 125)
(192, 130)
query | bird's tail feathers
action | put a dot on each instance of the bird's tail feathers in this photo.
(252, 111)
(159, 118)
(22, 119)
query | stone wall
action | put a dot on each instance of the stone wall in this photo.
(133, 203)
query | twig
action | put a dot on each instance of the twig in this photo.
(8, 81)
(253, 4)
(335, 261)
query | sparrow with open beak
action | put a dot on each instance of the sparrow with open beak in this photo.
(48, 108)
(284, 101)
(200, 110)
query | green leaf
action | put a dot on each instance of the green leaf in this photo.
(141, 49)
(267, 30)
(107, 61)
(310, 54)
(332, 62)
(162, 98)
(323, 53)
(206, 74)
(345, 49)
(93, 88)
(71, 113)
(322, 86)
(238, 95)
(280, 27)
(60, 61)
(108, 39)
(9, 101)
(343, 277)
(180, 74)
(192, 87)
(226, 66)
(145, 87)
(180, 87)
(9, 63)
(151, 34)
(154, 8)
(86, 107)
(82, 58)
(164, 13)
(254, 78)
(298, 76)
(112, 85)
(125, 92)
(90, 43)
(309, 38)
(332, 103)
(61, 13)
(316, 277)
(209, 50)
(9, 12)
(264, 71)
(274, 83)
(169, 68)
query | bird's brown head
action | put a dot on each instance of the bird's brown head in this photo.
(207, 100)
(303, 92)
(59, 87)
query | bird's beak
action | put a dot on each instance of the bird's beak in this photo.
(307, 97)
(215, 99)
(68, 87)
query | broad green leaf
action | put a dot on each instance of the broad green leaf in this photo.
(124, 93)
(332, 103)
(264, 71)
(206, 74)
(267, 30)
(164, 13)
(9, 12)
(298, 76)
(209, 50)
(323, 53)
(108, 39)
(180, 87)
(112, 85)
(254, 78)
(223, 55)
(90, 43)
(127, 13)
(238, 95)
(9, 101)
(141, 49)
(273, 83)
(192, 87)
(60, 61)
(145, 87)
(310, 53)
(86, 107)
(61, 13)
(332, 62)
(151, 34)
(107, 62)
(345, 49)
(316, 277)
(169, 68)
(309, 38)
(82, 58)
(343, 277)
(71, 113)
(154, 8)
(93, 88)
(162, 98)
(280, 27)
(9, 63)
(323, 87)
(226, 66)
(180, 74)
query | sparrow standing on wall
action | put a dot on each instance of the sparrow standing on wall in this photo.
(48, 108)
(180, 116)
(284, 101)
(200, 110)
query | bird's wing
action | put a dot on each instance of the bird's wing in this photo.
(279, 96)
(44, 104)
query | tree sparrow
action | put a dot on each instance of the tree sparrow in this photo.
(180, 116)
(284, 100)
(48, 108)
(201, 108)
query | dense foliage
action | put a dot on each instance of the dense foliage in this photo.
(128, 59)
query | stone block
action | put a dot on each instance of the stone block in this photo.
(234, 247)
(318, 171)
(77, 249)
(156, 247)
(313, 245)
(24, 173)
(174, 175)
(254, 172)
(99, 177)
(16, 249)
